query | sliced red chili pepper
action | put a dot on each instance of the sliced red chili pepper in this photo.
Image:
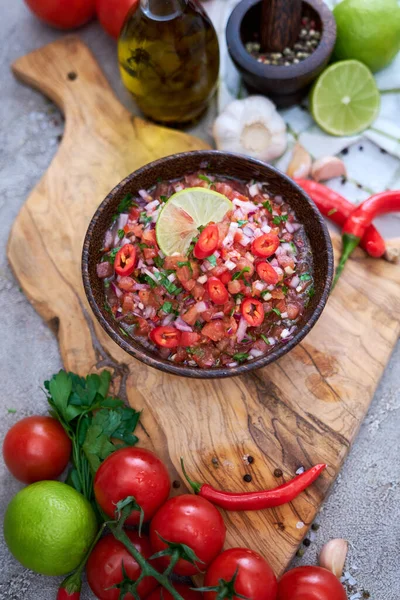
(253, 311)
(267, 273)
(217, 291)
(226, 277)
(265, 245)
(166, 337)
(207, 242)
(189, 338)
(125, 260)
(257, 500)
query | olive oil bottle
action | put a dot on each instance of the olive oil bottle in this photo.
(169, 59)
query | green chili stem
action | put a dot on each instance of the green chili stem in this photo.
(147, 569)
(350, 243)
(195, 486)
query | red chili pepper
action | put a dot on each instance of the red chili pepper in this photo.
(257, 500)
(217, 291)
(265, 245)
(338, 209)
(361, 218)
(166, 336)
(63, 594)
(207, 242)
(125, 259)
(253, 311)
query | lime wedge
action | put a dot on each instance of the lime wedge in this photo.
(345, 99)
(184, 213)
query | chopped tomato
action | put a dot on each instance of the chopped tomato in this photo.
(226, 277)
(207, 242)
(149, 238)
(231, 326)
(125, 260)
(142, 327)
(285, 261)
(215, 330)
(166, 337)
(127, 303)
(189, 285)
(184, 273)
(253, 311)
(265, 245)
(235, 287)
(137, 230)
(126, 284)
(228, 307)
(134, 213)
(267, 273)
(281, 306)
(149, 253)
(222, 231)
(198, 291)
(190, 316)
(293, 310)
(147, 297)
(245, 263)
(217, 291)
(171, 262)
(278, 294)
(225, 190)
(189, 338)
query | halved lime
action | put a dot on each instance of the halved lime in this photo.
(184, 213)
(345, 99)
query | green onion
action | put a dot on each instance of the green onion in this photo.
(240, 356)
(277, 311)
(267, 204)
(266, 340)
(167, 307)
(121, 233)
(305, 277)
(212, 260)
(205, 178)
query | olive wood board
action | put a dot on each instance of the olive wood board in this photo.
(304, 409)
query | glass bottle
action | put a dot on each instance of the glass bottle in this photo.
(169, 59)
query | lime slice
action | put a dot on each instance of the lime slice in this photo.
(345, 99)
(184, 213)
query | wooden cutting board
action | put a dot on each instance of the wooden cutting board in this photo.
(302, 410)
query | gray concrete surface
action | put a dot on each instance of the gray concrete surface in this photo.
(364, 506)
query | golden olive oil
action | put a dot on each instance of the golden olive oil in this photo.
(169, 59)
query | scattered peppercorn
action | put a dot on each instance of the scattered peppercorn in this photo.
(383, 151)
(306, 542)
(176, 484)
(250, 460)
(361, 148)
(214, 461)
(278, 473)
(247, 478)
(315, 526)
(366, 594)
(345, 151)
(344, 180)
(300, 552)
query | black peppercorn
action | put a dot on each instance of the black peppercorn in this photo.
(306, 542)
(278, 473)
(250, 460)
(176, 485)
(247, 478)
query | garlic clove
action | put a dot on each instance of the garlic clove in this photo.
(392, 253)
(328, 167)
(300, 165)
(333, 556)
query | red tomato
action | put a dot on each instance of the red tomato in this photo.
(226, 277)
(267, 273)
(217, 291)
(112, 14)
(132, 472)
(189, 338)
(253, 311)
(215, 330)
(183, 590)
(265, 245)
(255, 578)
(125, 259)
(36, 448)
(104, 567)
(207, 242)
(166, 337)
(312, 583)
(189, 520)
(64, 14)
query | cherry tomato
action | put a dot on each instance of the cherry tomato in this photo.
(255, 578)
(133, 472)
(183, 590)
(36, 448)
(125, 259)
(217, 291)
(267, 273)
(104, 567)
(189, 338)
(63, 14)
(207, 242)
(189, 520)
(166, 337)
(265, 245)
(112, 13)
(313, 583)
(253, 311)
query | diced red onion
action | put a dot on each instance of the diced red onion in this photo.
(203, 267)
(259, 285)
(278, 199)
(140, 263)
(250, 257)
(218, 315)
(265, 228)
(244, 241)
(295, 226)
(257, 233)
(151, 205)
(228, 240)
(272, 341)
(181, 325)
(167, 320)
(279, 251)
(241, 332)
(289, 227)
(108, 239)
(254, 190)
(229, 265)
(202, 279)
(232, 364)
(294, 281)
(116, 290)
(122, 220)
(171, 277)
(274, 262)
(246, 206)
(141, 286)
(149, 312)
(255, 352)
(249, 231)
(288, 248)
(178, 187)
(285, 334)
(201, 306)
(143, 194)
(151, 275)
(189, 302)
(284, 315)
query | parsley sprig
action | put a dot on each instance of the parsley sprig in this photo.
(93, 421)
(123, 207)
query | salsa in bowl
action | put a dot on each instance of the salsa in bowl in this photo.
(207, 264)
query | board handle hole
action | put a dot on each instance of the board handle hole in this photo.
(72, 76)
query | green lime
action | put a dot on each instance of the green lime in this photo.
(184, 213)
(368, 30)
(48, 527)
(345, 99)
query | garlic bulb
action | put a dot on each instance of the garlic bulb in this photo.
(333, 556)
(251, 126)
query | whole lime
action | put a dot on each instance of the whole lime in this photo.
(48, 527)
(368, 31)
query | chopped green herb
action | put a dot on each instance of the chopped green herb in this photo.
(163, 198)
(332, 212)
(110, 256)
(241, 223)
(212, 260)
(11, 411)
(305, 277)
(293, 247)
(240, 273)
(277, 311)
(198, 324)
(106, 284)
(144, 218)
(266, 340)
(143, 246)
(122, 330)
(146, 279)
(158, 261)
(167, 307)
(123, 207)
(107, 308)
(169, 285)
(201, 228)
(285, 289)
(265, 293)
(205, 178)
(159, 180)
(280, 219)
(232, 312)
(267, 204)
(185, 264)
(311, 292)
(238, 297)
(121, 233)
(241, 356)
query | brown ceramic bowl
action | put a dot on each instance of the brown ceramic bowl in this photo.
(284, 85)
(225, 164)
